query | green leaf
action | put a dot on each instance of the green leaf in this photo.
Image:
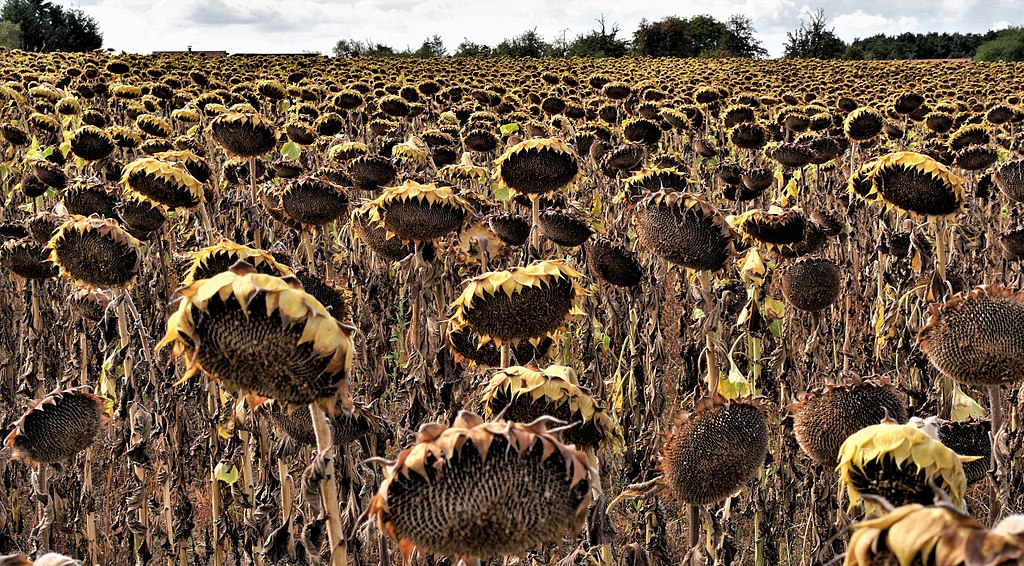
(499, 192)
(776, 327)
(774, 307)
(291, 150)
(508, 129)
(228, 476)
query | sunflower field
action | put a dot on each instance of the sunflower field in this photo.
(296, 310)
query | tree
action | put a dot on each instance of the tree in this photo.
(1008, 45)
(527, 44)
(10, 35)
(669, 37)
(48, 27)
(699, 36)
(599, 43)
(367, 48)
(432, 47)
(738, 39)
(469, 49)
(813, 40)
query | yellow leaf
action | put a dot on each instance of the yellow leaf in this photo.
(753, 267)
(224, 474)
(964, 407)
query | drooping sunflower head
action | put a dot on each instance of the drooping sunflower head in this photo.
(537, 166)
(613, 263)
(977, 337)
(162, 182)
(483, 490)
(863, 124)
(58, 426)
(313, 201)
(26, 258)
(713, 451)
(910, 534)
(194, 164)
(466, 348)
(685, 229)
(900, 463)
(347, 426)
(92, 143)
(465, 170)
(416, 212)
(811, 284)
(827, 416)
(376, 236)
(565, 227)
(371, 172)
(261, 334)
(775, 228)
(969, 438)
(521, 303)
(244, 134)
(95, 252)
(656, 179)
(1009, 177)
(911, 182)
(218, 258)
(524, 394)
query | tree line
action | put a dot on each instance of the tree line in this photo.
(705, 36)
(38, 25)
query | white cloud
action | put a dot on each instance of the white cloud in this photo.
(297, 25)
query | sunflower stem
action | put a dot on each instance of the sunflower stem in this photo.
(940, 258)
(692, 526)
(535, 226)
(37, 317)
(995, 408)
(218, 558)
(506, 355)
(328, 485)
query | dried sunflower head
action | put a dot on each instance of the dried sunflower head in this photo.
(811, 284)
(313, 201)
(613, 263)
(900, 463)
(656, 179)
(713, 451)
(26, 258)
(524, 394)
(975, 338)
(375, 235)
(685, 229)
(218, 258)
(162, 182)
(347, 426)
(827, 416)
(244, 134)
(417, 212)
(465, 170)
(940, 535)
(910, 182)
(95, 252)
(776, 228)
(483, 490)
(537, 166)
(519, 304)
(58, 426)
(261, 334)
(91, 143)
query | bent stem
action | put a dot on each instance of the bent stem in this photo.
(328, 485)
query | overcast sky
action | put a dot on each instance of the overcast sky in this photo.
(278, 26)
